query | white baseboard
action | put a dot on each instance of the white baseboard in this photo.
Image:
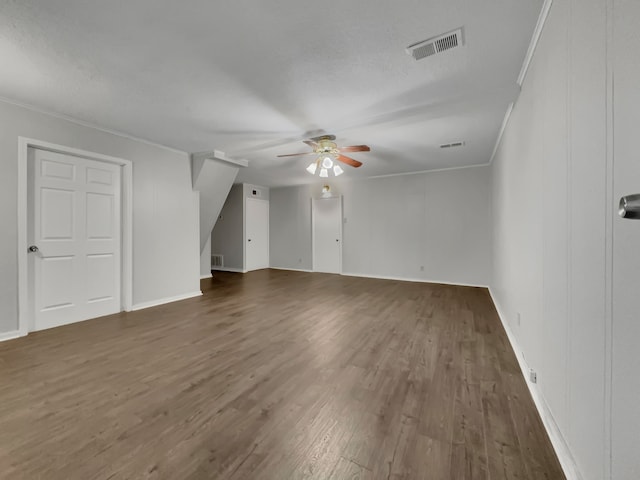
(416, 280)
(162, 301)
(560, 446)
(202, 277)
(225, 269)
(292, 269)
(383, 277)
(4, 336)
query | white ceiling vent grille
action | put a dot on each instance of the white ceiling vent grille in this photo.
(435, 45)
(451, 145)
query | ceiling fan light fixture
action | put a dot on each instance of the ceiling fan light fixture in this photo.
(328, 154)
(327, 162)
(313, 166)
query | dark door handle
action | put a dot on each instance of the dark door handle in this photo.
(630, 207)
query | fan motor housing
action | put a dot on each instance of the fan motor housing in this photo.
(327, 147)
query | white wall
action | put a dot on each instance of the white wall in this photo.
(290, 227)
(261, 193)
(549, 208)
(395, 225)
(165, 209)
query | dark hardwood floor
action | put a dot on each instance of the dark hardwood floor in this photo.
(276, 375)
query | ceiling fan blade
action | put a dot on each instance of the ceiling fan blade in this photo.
(349, 161)
(355, 148)
(311, 143)
(297, 154)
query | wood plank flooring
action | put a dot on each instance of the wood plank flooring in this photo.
(276, 375)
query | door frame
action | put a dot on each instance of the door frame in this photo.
(126, 278)
(313, 231)
(244, 231)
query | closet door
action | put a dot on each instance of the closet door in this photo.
(75, 238)
(327, 234)
(256, 234)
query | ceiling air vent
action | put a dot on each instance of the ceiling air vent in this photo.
(451, 145)
(434, 45)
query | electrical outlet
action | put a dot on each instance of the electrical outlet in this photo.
(533, 376)
(299, 260)
(518, 319)
(422, 268)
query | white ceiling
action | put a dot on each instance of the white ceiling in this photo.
(253, 78)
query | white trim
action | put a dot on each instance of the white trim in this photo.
(93, 126)
(567, 462)
(415, 280)
(227, 269)
(244, 228)
(569, 219)
(292, 269)
(434, 170)
(5, 336)
(24, 144)
(204, 277)
(23, 268)
(419, 172)
(127, 236)
(542, 18)
(503, 127)
(163, 301)
(537, 32)
(611, 201)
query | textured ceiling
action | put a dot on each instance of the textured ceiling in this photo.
(254, 78)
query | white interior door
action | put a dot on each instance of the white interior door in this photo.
(625, 428)
(257, 234)
(327, 234)
(75, 233)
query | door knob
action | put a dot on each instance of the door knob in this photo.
(33, 249)
(630, 207)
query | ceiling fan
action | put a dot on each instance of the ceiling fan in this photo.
(328, 153)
